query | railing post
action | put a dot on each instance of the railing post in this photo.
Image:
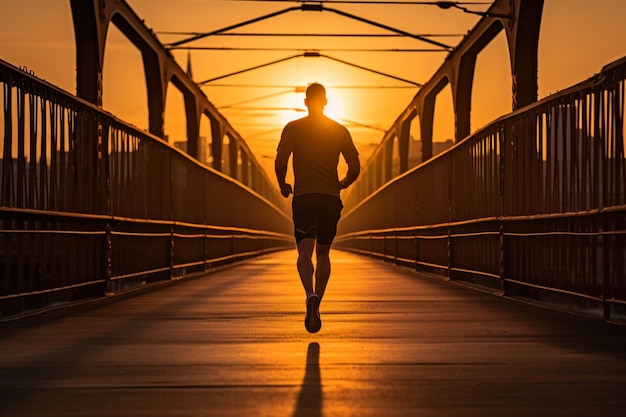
(103, 196)
(385, 247)
(503, 258)
(504, 253)
(108, 259)
(396, 248)
(417, 251)
(172, 252)
(450, 191)
(450, 253)
(607, 294)
(206, 251)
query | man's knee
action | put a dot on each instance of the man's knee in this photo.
(305, 246)
(322, 251)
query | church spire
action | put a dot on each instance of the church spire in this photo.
(189, 73)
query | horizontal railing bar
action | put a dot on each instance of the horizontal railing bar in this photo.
(461, 235)
(119, 219)
(431, 265)
(52, 213)
(476, 234)
(558, 233)
(54, 232)
(474, 272)
(555, 290)
(140, 234)
(405, 260)
(194, 236)
(189, 264)
(138, 274)
(52, 290)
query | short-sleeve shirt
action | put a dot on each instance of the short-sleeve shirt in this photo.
(316, 143)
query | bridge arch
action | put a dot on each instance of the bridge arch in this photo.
(91, 21)
(520, 20)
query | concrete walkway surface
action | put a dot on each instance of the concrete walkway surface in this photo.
(232, 343)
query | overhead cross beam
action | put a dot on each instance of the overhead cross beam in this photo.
(226, 48)
(235, 26)
(309, 54)
(318, 7)
(386, 27)
(454, 4)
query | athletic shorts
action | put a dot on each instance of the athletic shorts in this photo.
(316, 216)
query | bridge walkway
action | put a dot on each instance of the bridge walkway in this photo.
(232, 343)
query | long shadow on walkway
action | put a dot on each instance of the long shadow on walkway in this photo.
(310, 398)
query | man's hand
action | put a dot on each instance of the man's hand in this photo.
(285, 189)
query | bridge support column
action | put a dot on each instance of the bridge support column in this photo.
(523, 36)
(404, 139)
(217, 143)
(233, 157)
(193, 125)
(463, 96)
(90, 28)
(426, 126)
(156, 93)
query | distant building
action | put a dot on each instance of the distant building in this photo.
(415, 150)
(203, 149)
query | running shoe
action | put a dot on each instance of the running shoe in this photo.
(312, 321)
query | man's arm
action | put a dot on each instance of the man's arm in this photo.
(354, 166)
(280, 166)
(281, 172)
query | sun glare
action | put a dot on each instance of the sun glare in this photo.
(296, 108)
(334, 108)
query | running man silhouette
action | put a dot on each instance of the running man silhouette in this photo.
(316, 142)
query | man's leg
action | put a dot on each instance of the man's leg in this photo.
(305, 263)
(312, 320)
(322, 270)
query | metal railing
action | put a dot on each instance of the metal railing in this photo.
(91, 205)
(532, 205)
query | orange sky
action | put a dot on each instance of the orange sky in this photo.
(578, 37)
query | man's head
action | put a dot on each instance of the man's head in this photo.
(315, 97)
